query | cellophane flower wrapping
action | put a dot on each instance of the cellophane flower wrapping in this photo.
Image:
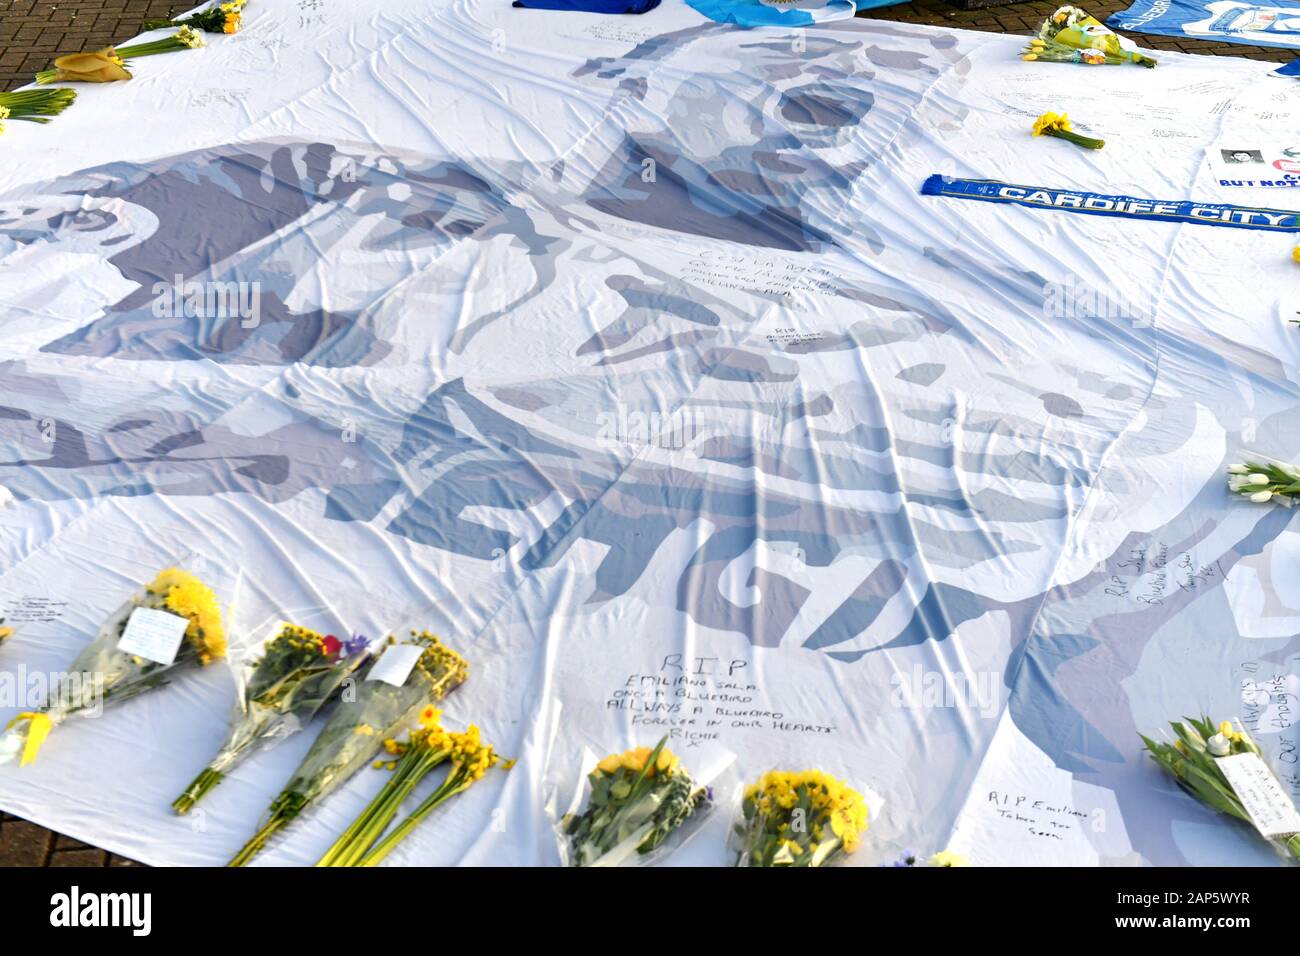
(804, 818)
(194, 588)
(1193, 759)
(1074, 27)
(635, 807)
(370, 712)
(220, 17)
(291, 672)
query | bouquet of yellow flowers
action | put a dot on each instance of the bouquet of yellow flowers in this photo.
(296, 674)
(109, 64)
(799, 819)
(425, 749)
(1060, 127)
(1049, 51)
(635, 801)
(469, 758)
(173, 622)
(1224, 769)
(404, 680)
(218, 18)
(1073, 28)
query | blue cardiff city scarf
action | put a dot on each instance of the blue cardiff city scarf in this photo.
(1098, 204)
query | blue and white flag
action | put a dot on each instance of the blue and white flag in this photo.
(782, 13)
(1291, 69)
(1229, 21)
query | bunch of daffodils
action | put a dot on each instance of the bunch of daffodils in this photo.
(637, 799)
(1195, 760)
(426, 748)
(799, 819)
(1261, 480)
(35, 106)
(470, 759)
(1058, 126)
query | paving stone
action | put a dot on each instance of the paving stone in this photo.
(85, 857)
(24, 844)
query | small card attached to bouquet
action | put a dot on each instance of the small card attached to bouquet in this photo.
(394, 665)
(1262, 796)
(153, 635)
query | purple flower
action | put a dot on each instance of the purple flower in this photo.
(907, 859)
(356, 645)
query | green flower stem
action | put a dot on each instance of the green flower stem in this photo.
(150, 49)
(456, 781)
(1087, 142)
(259, 840)
(236, 749)
(367, 828)
(197, 789)
(35, 105)
(1293, 844)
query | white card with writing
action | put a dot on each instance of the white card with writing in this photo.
(394, 665)
(1268, 805)
(154, 635)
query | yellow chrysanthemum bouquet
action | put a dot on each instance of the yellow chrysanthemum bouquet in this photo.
(635, 801)
(398, 685)
(174, 622)
(292, 673)
(806, 818)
